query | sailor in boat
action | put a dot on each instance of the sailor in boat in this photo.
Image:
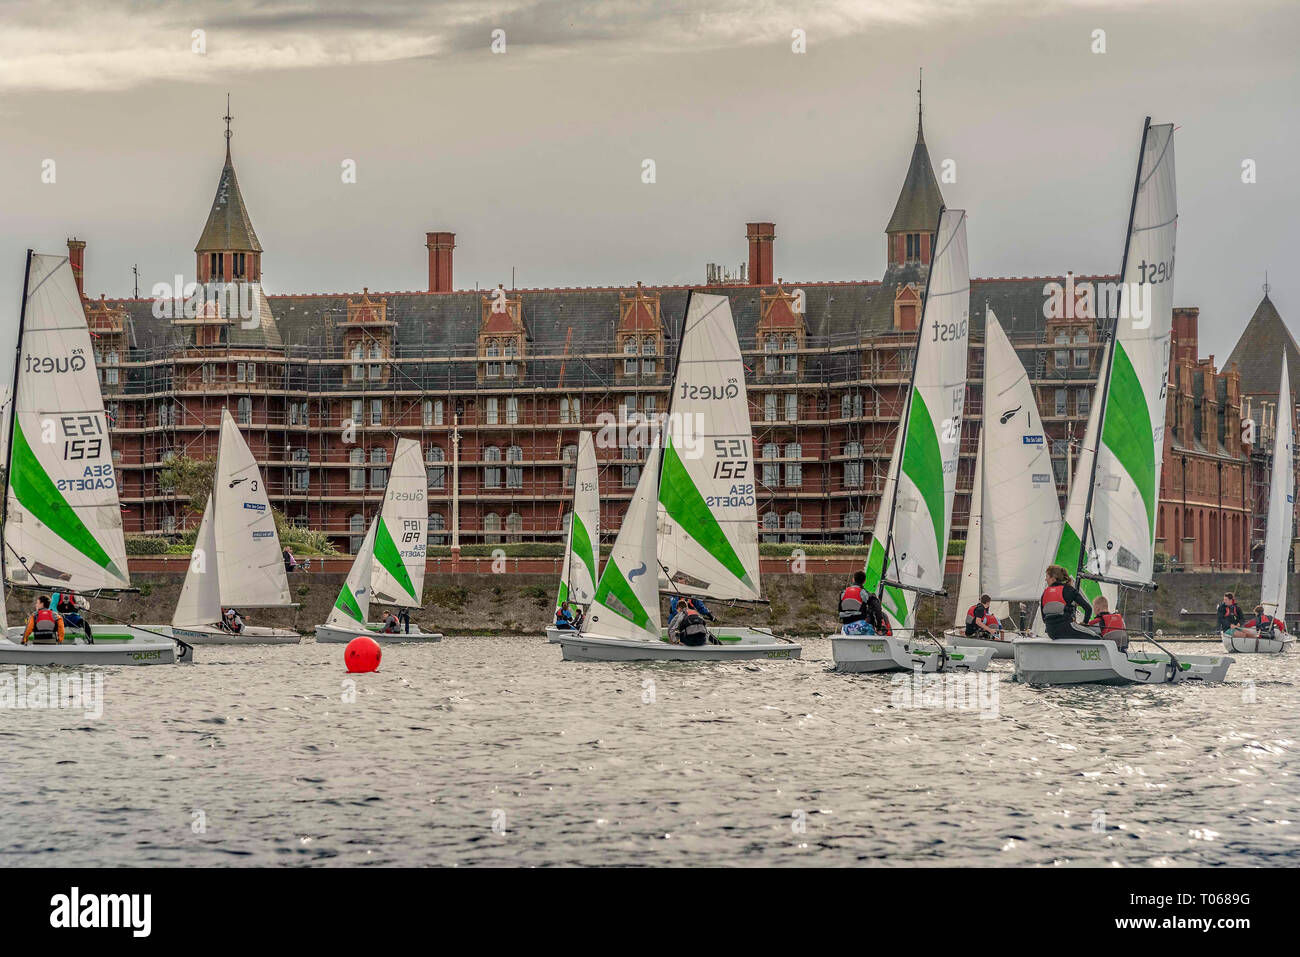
(1109, 624)
(43, 625)
(687, 626)
(1060, 598)
(391, 625)
(853, 608)
(1230, 619)
(1264, 625)
(71, 609)
(978, 617)
(876, 620)
(232, 622)
(564, 617)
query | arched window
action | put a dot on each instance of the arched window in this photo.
(793, 527)
(853, 528)
(771, 522)
(514, 527)
(771, 470)
(570, 454)
(378, 455)
(245, 410)
(853, 468)
(514, 474)
(436, 526)
(356, 532)
(492, 474)
(436, 475)
(492, 528)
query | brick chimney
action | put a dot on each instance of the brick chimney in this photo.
(760, 236)
(440, 246)
(1186, 321)
(77, 259)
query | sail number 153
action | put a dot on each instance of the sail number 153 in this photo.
(83, 437)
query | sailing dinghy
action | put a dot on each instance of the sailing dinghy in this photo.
(237, 562)
(389, 567)
(702, 514)
(61, 524)
(910, 541)
(581, 569)
(1015, 520)
(1278, 535)
(1116, 542)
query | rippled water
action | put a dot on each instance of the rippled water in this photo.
(494, 751)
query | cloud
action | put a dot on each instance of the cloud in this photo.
(116, 44)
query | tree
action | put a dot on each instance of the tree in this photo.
(189, 478)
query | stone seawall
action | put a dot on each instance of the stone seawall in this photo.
(521, 603)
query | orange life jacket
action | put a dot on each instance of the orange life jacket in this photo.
(1053, 603)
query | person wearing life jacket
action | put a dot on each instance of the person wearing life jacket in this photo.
(1228, 613)
(43, 625)
(1264, 625)
(877, 621)
(232, 622)
(1110, 624)
(391, 624)
(688, 627)
(994, 626)
(853, 604)
(71, 609)
(564, 617)
(977, 619)
(1060, 598)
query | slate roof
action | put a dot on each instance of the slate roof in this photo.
(1258, 353)
(229, 228)
(919, 202)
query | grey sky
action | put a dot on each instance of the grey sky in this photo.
(533, 157)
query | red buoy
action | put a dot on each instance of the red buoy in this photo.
(362, 655)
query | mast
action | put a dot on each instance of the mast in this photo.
(1110, 361)
(13, 417)
(907, 416)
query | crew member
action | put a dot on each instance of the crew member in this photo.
(564, 617)
(876, 619)
(853, 605)
(1228, 612)
(977, 616)
(71, 609)
(1060, 598)
(1265, 625)
(391, 626)
(43, 625)
(1110, 624)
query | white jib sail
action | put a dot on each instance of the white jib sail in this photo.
(899, 606)
(397, 572)
(352, 606)
(971, 587)
(1123, 522)
(1281, 504)
(200, 600)
(64, 522)
(582, 561)
(626, 604)
(927, 480)
(1021, 515)
(708, 542)
(250, 565)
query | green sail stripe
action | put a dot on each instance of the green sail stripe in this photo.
(347, 603)
(387, 554)
(34, 488)
(613, 582)
(923, 464)
(580, 544)
(686, 506)
(563, 594)
(895, 599)
(1067, 556)
(1127, 432)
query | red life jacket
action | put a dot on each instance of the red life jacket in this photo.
(970, 614)
(851, 603)
(1054, 604)
(46, 621)
(1110, 621)
(992, 621)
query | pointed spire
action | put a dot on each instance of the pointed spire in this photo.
(229, 227)
(920, 200)
(920, 76)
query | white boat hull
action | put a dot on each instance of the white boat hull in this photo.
(116, 646)
(1256, 646)
(1001, 647)
(745, 644)
(870, 654)
(335, 634)
(251, 635)
(1072, 661)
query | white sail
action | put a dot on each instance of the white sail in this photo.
(968, 591)
(708, 542)
(397, 572)
(63, 525)
(1021, 514)
(1281, 505)
(352, 606)
(899, 606)
(581, 568)
(914, 550)
(1121, 537)
(200, 600)
(626, 604)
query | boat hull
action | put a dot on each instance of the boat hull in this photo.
(1001, 648)
(1042, 661)
(760, 645)
(137, 649)
(874, 654)
(334, 634)
(1256, 646)
(251, 635)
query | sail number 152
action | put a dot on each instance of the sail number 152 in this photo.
(733, 459)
